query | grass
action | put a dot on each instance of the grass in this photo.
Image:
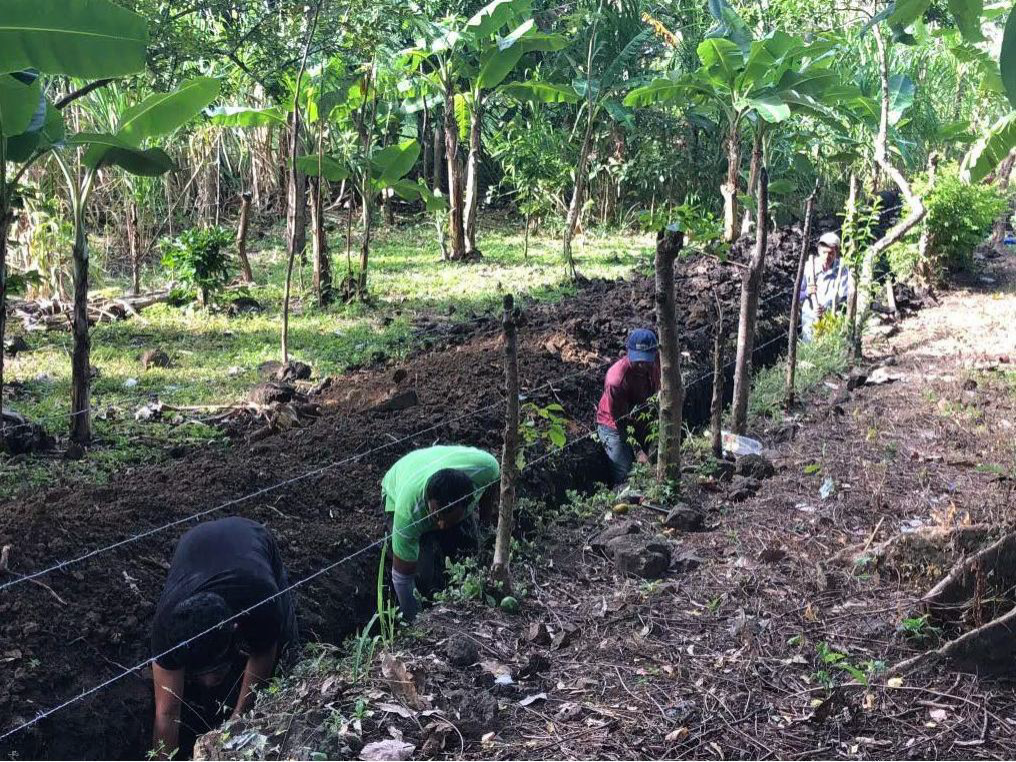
(215, 358)
(815, 361)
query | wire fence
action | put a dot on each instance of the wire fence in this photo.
(554, 452)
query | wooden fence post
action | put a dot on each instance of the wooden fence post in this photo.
(500, 571)
(719, 382)
(241, 237)
(668, 463)
(795, 304)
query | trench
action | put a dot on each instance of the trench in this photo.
(115, 722)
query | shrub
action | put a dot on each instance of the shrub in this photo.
(959, 217)
(196, 260)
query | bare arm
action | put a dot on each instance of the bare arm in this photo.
(257, 672)
(168, 684)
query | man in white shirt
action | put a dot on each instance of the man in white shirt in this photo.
(826, 284)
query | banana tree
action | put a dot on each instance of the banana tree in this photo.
(766, 80)
(155, 116)
(95, 40)
(461, 61)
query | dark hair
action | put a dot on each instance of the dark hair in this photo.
(193, 616)
(449, 487)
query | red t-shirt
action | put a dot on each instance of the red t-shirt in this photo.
(627, 386)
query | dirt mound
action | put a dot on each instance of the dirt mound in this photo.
(102, 619)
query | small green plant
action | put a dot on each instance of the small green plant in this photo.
(919, 629)
(197, 261)
(830, 659)
(959, 216)
(387, 616)
(703, 230)
(466, 581)
(812, 469)
(541, 424)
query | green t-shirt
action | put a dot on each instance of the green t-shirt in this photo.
(404, 486)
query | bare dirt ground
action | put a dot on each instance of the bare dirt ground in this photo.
(92, 621)
(775, 631)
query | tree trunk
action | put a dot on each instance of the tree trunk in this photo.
(913, 202)
(926, 271)
(525, 249)
(751, 285)
(575, 207)
(439, 164)
(732, 187)
(795, 304)
(719, 383)
(367, 214)
(322, 262)
(296, 198)
(6, 218)
(134, 244)
(668, 463)
(456, 224)
(297, 206)
(500, 570)
(81, 417)
(1002, 179)
(851, 255)
(756, 164)
(241, 237)
(473, 173)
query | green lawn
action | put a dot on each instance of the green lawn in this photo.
(215, 357)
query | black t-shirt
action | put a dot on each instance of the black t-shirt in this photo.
(238, 559)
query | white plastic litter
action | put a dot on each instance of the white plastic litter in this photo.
(734, 444)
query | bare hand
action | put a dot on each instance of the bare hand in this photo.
(642, 457)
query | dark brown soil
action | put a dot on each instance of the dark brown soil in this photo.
(764, 646)
(93, 618)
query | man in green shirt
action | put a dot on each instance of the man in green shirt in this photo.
(432, 495)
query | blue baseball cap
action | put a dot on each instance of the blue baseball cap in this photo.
(642, 345)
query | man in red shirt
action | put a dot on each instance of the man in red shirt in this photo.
(630, 382)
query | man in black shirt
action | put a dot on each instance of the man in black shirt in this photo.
(227, 569)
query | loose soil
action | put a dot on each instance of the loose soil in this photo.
(775, 632)
(91, 620)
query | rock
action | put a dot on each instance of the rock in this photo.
(399, 376)
(640, 556)
(268, 369)
(14, 345)
(292, 371)
(461, 650)
(154, 358)
(755, 467)
(618, 529)
(269, 393)
(743, 487)
(683, 518)
(400, 401)
(772, 555)
(856, 378)
(686, 561)
(244, 305)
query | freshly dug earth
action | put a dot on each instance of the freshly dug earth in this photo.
(771, 636)
(92, 620)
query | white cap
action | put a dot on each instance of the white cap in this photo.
(829, 239)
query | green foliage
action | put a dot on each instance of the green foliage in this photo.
(541, 424)
(959, 216)
(920, 630)
(196, 259)
(465, 581)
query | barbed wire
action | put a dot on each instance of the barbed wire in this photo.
(329, 567)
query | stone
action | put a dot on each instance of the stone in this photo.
(292, 371)
(538, 634)
(461, 650)
(618, 529)
(743, 487)
(685, 561)
(755, 467)
(244, 305)
(474, 713)
(640, 556)
(401, 401)
(856, 378)
(683, 518)
(269, 393)
(154, 358)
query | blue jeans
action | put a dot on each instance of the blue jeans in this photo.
(620, 453)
